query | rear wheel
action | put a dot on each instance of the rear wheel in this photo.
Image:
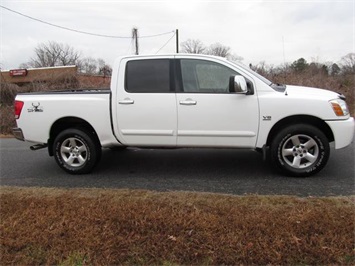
(300, 150)
(76, 151)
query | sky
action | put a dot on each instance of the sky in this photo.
(274, 32)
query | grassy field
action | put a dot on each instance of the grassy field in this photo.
(115, 227)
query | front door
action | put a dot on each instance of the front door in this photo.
(208, 114)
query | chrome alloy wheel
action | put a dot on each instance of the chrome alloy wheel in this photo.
(300, 151)
(74, 152)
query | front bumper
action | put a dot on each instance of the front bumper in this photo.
(17, 132)
(343, 131)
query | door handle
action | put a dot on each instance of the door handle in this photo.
(126, 101)
(188, 102)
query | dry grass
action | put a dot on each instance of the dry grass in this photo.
(114, 227)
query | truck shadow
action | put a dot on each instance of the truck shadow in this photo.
(184, 163)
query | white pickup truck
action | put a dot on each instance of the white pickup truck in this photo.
(179, 101)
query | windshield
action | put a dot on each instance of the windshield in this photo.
(265, 80)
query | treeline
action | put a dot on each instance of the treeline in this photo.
(346, 66)
(52, 54)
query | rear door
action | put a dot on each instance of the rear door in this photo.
(146, 102)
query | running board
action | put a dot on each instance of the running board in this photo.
(38, 147)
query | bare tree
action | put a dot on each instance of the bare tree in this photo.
(53, 54)
(193, 47)
(106, 71)
(348, 63)
(93, 66)
(219, 50)
(197, 47)
(235, 58)
(88, 65)
(68, 55)
(101, 63)
(334, 69)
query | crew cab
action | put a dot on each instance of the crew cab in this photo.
(185, 100)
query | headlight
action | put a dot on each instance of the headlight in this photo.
(339, 107)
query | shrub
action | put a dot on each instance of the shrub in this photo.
(8, 93)
(7, 119)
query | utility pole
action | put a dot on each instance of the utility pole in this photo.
(135, 39)
(177, 41)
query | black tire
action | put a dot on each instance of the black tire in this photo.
(300, 150)
(76, 151)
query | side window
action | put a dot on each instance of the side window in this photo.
(200, 76)
(148, 76)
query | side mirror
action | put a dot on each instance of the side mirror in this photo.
(238, 84)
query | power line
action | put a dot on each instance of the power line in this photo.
(166, 43)
(82, 32)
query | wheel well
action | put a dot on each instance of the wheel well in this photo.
(65, 123)
(301, 119)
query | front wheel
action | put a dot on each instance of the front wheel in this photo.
(76, 151)
(300, 150)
